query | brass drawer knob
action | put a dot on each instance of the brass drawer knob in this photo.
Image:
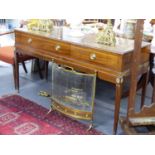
(29, 40)
(57, 47)
(92, 56)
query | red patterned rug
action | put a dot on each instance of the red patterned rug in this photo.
(24, 117)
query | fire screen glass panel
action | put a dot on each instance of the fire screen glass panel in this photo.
(73, 89)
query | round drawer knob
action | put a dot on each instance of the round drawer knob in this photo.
(93, 56)
(29, 40)
(57, 47)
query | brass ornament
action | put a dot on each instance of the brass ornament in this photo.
(107, 36)
(44, 25)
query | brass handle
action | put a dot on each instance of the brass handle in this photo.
(66, 67)
(93, 56)
(29, 40)
(57, 47)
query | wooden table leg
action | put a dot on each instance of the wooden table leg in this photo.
(152, 77)
(146, 77)
(118, 95)
(153, 94)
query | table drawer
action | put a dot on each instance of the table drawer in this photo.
(92, 56)
(37, 42)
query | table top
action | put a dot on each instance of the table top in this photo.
(78, 37)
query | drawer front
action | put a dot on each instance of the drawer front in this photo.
(102, 58)
(51, 47)
(41, 43)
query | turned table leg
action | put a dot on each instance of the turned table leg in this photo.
(118, 95)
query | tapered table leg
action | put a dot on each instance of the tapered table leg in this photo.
(118, 95)
(153, 77)
(146, 77)
(153, 94)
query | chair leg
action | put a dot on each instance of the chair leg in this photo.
(46, 69)
(16, 70)
(24, 66)
(39, 68)
(16, 76)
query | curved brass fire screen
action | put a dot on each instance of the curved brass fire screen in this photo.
(73, 92)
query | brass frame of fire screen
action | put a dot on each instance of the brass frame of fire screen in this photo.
(70, 111)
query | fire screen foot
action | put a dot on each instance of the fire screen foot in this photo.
(50, 110)
(44, 94)
(90, 127)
